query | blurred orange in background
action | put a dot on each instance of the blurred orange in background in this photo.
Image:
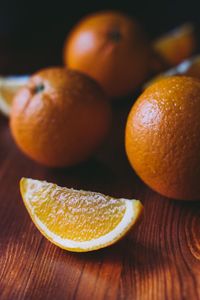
(111, 48)
(177, 45)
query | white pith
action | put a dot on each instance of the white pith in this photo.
(4, 107)
(12, 83)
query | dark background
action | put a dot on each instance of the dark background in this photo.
(34, 31)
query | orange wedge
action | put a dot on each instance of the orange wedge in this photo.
(8, 88)
(78, 221)
(177, 45)
(189, 67)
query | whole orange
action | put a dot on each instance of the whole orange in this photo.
(112, 48)
(162, 137)
(60, 117)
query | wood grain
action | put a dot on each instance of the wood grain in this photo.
(158, 260)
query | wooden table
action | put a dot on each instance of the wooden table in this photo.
(158, 260)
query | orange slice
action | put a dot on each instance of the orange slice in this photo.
(75, 220)
(189, 67)
(177, 45)
(8, 87)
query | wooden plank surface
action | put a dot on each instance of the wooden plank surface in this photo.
(158, 260)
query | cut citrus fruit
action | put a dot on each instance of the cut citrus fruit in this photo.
(78, 221)
(189, 67)
(8, 87)
(177, 45)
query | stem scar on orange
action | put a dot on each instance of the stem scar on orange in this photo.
(60, 117)
(162, 137)
(111, 48)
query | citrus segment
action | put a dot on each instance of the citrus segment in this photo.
(78, 220)
(177, 45)
(189, 67)
(8, 87)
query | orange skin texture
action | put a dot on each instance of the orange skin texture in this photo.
(162, 137)
(63, 124)
(111, 48)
